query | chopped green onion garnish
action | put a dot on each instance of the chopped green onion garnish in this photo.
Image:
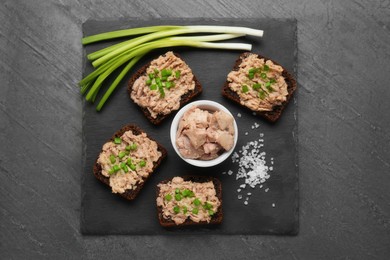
(166, 72)
(111, 171)
(263, 75)
(251, 75)
(153, 87)
(272, 80)
(164, 78)
(178, 197)
(245, 89)
(162, 92)
(128, 148)
(207, 205)
(261, 94)
(125, 169)
(148, 82)
(158, 80)
(256, 86)
(267, 84)
(132, 167)
(253, 70)
(156, 72)
(168, 85)
(184, 209)
(177, 191)
(117, 140)
(195, 210)
(196, 202)
(133, 146)
(129, 162)
(176, 209)
(266, 68)
(116, 168)
(177, 74)
(127, 152)
(142, 163)
(112, 158)
(168, 197)
(186, 193)
(121, 154)
(151, 76)
(211, 212)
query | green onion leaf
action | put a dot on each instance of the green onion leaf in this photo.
(272, 80)
(151, 76)
(117, 140)
(244, 89)
(176, 209)
(263, 75)
(168, 197)
(195, 211)
(121, 154)
(142, 163)
(261, 94)
(111, 171)
(207, 205)
(178, 197)
(251, 75)
(166, 73)
(129, 162)
(177, 74)
(164, 79)
(196, 202)
(116, 168)
(148, 82)
(168, 85)
(184, 209)
(112, 158)
(153, 87)
(125, 169)
(132, 167)
(211, 212)
(133, 146)
(177, 191)
(253, 70)
(156, 72)
(266, 68)
(256, 86)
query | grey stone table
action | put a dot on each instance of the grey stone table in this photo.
(344, 138)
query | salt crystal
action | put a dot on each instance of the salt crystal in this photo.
(253, 127)
(246, 202)
(238, 190)
(266, 190)
(261, 135)
(273, 205)
(239, 115)
(247, 198)
(230, 172)
(242, 186)
(271, 168)
(254, 113)
(223, 172)
(249, 194)
(261, 186)
(239, 196)
(246, 133)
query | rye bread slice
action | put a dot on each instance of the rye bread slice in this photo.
(215, 219)
(187, 97)
(129, 194)
(275, 114)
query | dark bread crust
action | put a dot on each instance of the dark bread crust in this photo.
(215, 219)
(273, 115)
(129, 194)
(184, 98)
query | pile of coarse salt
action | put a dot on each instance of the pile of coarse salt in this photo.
(252, 166)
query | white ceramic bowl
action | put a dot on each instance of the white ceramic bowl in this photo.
(211, 106)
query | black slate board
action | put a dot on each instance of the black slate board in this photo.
(105, 213)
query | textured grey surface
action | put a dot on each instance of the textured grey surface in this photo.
(344, 140)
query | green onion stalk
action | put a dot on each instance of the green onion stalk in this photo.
(129, 52)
